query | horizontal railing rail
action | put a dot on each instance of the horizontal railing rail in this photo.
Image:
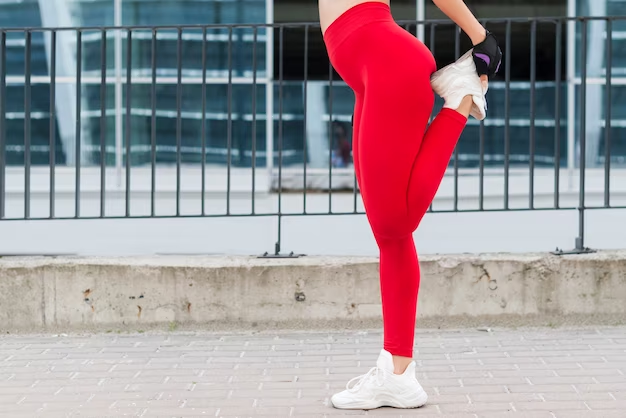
(539, 19)
(204, 121)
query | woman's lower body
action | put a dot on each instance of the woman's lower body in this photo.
(399, 160)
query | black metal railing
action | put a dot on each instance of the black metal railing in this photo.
(108, 140)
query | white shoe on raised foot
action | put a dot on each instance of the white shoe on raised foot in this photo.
(381, 387)
(457, 80)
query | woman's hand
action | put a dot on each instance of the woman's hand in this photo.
(487, 56)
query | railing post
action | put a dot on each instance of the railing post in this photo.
(579, 247)
(277, 246)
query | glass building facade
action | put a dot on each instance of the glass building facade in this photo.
(241, 49)
(271, 67)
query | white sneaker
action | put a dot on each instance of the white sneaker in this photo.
(381, 387)
(457, 80)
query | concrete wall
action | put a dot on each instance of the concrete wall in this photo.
(76, 293)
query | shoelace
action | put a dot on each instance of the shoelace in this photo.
(361, 380)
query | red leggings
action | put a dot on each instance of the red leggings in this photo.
(399, 160)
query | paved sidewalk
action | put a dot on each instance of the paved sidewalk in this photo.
(471, 373)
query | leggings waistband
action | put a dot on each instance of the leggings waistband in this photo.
(354, 18)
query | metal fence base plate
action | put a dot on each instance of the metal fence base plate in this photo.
(576, 251)
(290, 255)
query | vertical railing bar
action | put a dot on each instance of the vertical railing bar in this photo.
(356, 183)
(432, 37)
(254, 109)
(118, 57)
(533, 79)
(432, 50)
(481, 175)
(153, 119)
(128, 116)
(79, 54)
(203, 123)
(27, 119)
(557, 118)
(281, 58)
(355, 189)
(103, 125)
(457, 53)
(230, 118)
(52, 133)
(457, 43)
(305, 111)
(3, 85)
(580, 243)
(330, 137)
(507, 114)
(270, 54)
(571, 83)
(179, 103)
(481, 191)
(608, 110)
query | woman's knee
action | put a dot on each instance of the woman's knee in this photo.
(391, 228)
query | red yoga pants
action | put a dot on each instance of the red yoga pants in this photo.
(399, 159)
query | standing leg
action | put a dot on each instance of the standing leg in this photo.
(394, 120)
(400, 174)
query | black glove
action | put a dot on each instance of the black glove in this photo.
(487, 56)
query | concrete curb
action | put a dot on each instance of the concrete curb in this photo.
(78, 293)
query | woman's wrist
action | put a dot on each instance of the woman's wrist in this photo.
(478, 36)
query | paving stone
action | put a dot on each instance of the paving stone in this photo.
(474, 408)
(550, 406)
(537, 373)
(598, 405)
(590, 414)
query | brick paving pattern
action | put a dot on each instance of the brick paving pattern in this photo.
(545, 373)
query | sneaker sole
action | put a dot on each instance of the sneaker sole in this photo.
(420, 400)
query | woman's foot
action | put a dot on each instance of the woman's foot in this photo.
(381, 387)
(458, 80)
(466, 106)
